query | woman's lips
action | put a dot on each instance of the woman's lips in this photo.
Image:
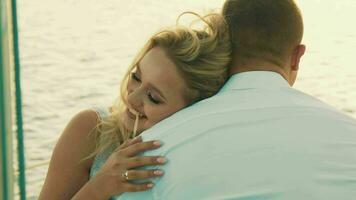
(132, 116)
(134, 112)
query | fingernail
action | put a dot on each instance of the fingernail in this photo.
(157, 143)
(161, 160)
(158, 172)
(150, 185)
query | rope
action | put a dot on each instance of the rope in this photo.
(4, 107)
(20, 138)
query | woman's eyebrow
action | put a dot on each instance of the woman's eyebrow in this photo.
(150, 84)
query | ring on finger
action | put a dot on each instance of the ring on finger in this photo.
(125, 175)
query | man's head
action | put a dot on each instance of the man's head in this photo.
(266, 35)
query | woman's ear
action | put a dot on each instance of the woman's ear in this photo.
(298, 52)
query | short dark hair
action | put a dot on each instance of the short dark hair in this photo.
(263, 29)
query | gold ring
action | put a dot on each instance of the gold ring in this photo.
(126, 175)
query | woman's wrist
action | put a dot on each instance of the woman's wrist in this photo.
(90, 191)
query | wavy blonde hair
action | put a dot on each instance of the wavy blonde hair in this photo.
(201, 57)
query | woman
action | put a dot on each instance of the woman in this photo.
(96, 156)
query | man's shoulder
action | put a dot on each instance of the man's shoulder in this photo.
(303, 99)
(235, 103)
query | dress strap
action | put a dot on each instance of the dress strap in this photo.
(102, 111)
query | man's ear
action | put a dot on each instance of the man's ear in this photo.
(298, 52)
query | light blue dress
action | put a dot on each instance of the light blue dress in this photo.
(101, 158)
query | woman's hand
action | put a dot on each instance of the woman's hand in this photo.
(110, 179)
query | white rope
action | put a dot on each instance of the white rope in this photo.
(136, 125)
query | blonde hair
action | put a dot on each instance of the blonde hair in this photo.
(201, 57)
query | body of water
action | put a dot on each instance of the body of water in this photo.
(74, 53)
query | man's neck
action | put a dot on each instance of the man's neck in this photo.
(258, 67)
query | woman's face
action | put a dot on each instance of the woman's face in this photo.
(155, 90)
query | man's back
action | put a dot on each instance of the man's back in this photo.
(256, 139)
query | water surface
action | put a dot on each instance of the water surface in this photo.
(74, 53)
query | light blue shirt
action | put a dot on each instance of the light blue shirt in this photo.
(258, 138)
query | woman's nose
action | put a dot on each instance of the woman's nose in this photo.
(130, 88)
(134, 98)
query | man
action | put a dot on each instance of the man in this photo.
(258, 138)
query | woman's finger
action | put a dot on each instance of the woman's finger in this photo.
(140, 161)
(129, 142)
(140, 147)
(123, 145)
(143, 174)
(129, 187)
(135, 140)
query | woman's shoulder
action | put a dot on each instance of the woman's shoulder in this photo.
(82, 124)
(101, 111)
(87, 119)
(80, 130)
(88, 116)
(77, 142)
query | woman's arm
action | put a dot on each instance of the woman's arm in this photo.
(66, 176)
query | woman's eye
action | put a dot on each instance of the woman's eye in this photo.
(135, 77)
(152, 99)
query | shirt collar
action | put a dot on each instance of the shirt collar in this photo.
(255, 79)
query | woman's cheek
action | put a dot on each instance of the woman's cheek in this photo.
(153, 117)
